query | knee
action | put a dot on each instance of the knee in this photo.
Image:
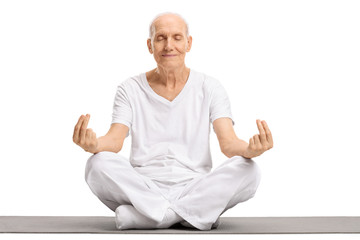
(98, 163)
(250, 171)
(254, 172)
(255, 177)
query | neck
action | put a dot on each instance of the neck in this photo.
(170, 78)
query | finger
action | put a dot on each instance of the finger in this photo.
(77, 129)
(93, 136)
(251, 143)
(84, 127)
(268, 133)
(262, 132)
(257, 141)
(88, 135)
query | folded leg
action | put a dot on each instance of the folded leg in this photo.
(115, 182)
(127, 217)
(206, 198)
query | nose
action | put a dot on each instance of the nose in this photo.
(169, 45)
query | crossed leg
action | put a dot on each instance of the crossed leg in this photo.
(203, 201)
(139, 203)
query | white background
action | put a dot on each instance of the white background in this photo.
(293, 63)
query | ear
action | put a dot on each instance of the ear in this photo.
(149, 46)
(189, 43)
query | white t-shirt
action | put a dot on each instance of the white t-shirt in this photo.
(170, 139)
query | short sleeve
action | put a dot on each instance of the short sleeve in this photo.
(219, 103)
(122, 111)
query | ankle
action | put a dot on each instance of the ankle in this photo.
(170, 218)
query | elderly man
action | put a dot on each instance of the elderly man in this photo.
(168, 112)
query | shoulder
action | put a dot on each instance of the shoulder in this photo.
(208, 82)
(131, 83)
(206, 79)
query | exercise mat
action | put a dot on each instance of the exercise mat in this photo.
(228, 225)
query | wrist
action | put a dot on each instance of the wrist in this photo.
(94, 148)
(246, 154)
(97, 148)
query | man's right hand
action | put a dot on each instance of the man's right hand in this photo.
(85, 137)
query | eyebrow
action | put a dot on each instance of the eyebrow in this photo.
(164, 34)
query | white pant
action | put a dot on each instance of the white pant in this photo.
(200, 201)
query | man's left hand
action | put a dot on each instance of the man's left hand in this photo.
(259, 143)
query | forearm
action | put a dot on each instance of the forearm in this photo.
(107, 143)
(236, 147)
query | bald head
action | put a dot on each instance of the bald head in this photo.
(169, 40)
(167, 16)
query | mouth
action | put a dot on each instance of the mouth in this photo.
(169, 55)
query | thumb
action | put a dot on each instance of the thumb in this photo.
(89, 132)
(251, 143)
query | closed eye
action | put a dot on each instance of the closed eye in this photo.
(159, 38)
(178, 37)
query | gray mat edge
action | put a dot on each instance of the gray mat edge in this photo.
(182, 231)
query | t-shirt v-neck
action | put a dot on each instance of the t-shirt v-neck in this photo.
(170, 139)
(163, 99)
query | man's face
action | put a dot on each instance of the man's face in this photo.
(169, 43)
